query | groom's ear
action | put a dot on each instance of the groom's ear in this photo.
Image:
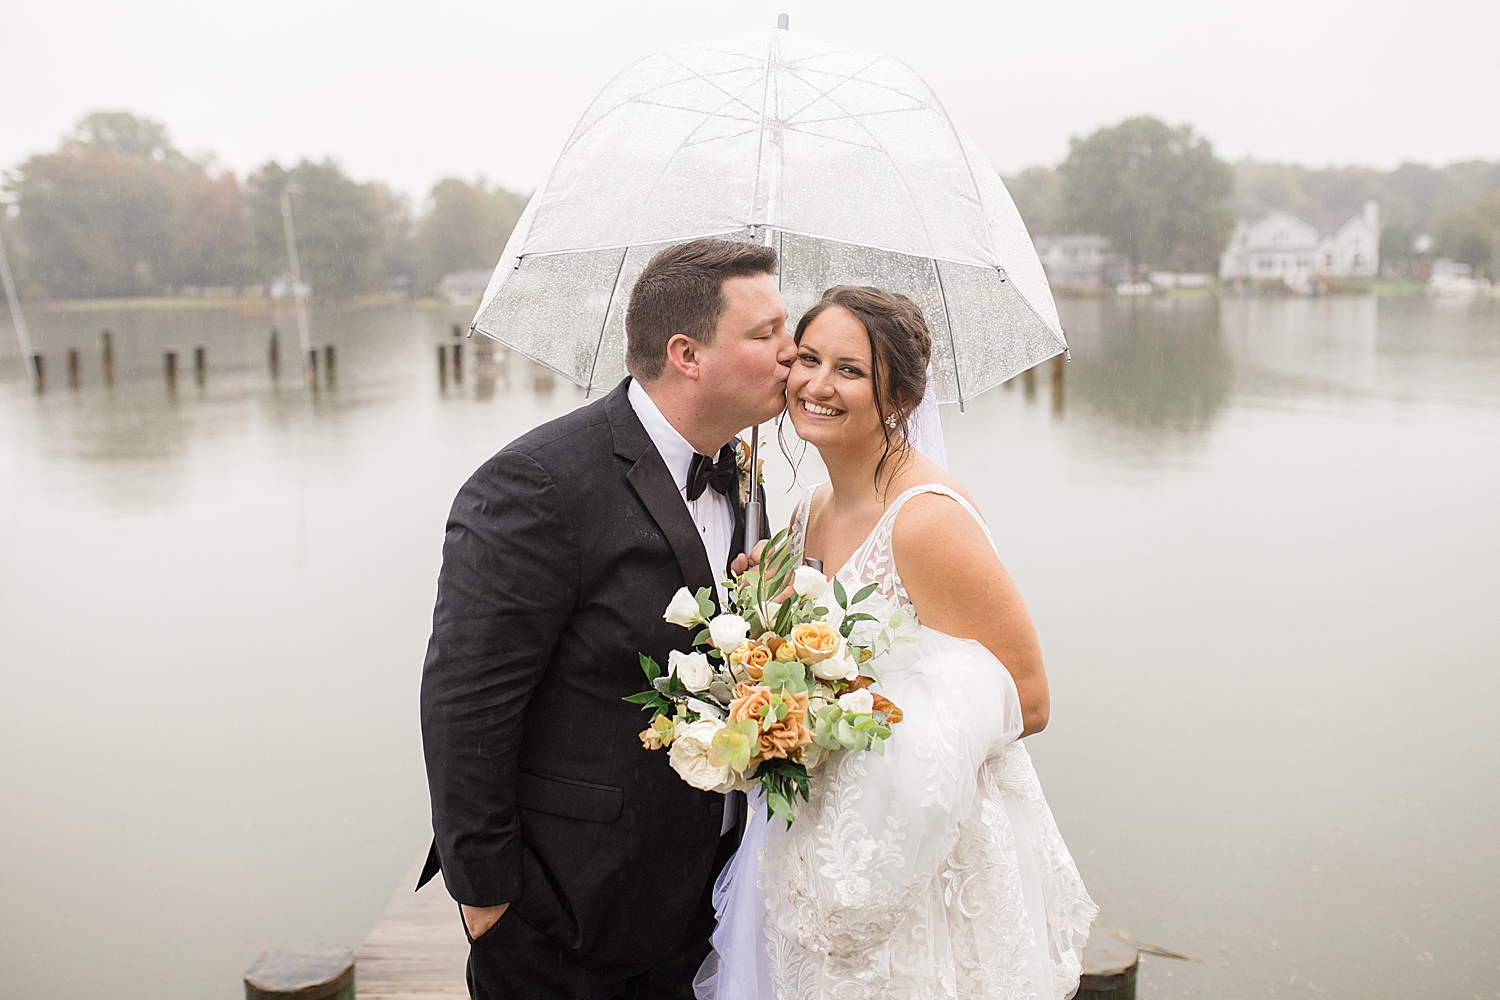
(685, 354)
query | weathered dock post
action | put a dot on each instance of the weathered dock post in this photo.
(273, 353)
(1028, 383)
(107, 355)
(1059, 367)
(458, 362)
(200, 365)
(311, 371)
(442, 367)
(1110, 962)
(308, 972)
(38, 373)
(169, 363)
(72, 368)
(328, 365)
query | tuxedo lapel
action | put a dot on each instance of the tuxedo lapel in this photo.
(652, 482)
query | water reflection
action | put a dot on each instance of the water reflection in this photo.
(1155, 368)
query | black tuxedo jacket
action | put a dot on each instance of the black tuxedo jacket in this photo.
(561, 553)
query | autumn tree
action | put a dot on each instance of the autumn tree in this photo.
(340, 227)
(465, 228)
(1157, 191)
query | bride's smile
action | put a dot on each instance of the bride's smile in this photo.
(829, 386)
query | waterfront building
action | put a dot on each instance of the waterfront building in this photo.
(1282, 246)
(463, 287)
(1079, 260)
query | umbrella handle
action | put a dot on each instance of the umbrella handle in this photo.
(753, 506)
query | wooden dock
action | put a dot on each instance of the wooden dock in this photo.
(417, 949)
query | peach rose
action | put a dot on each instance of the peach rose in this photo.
(781, 737)
(755, 660)
(816, 642)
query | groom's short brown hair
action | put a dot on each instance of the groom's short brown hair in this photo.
(682, 291)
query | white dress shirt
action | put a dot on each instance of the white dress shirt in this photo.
(711, 512)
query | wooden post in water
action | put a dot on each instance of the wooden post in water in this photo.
(1059, 366)
(308, 972)
(273, 353)
(107, 354)
(458, 362)
(442, 367)
(170, 365)
(72, 368)
(457, 330)
(200, 365)
(311, 370)
(1028, 383)
(328, 365)
(1110, 962)
(38, 376)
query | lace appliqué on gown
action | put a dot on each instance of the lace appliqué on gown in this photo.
(935, 870)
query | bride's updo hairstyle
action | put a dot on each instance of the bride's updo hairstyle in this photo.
(900, 350)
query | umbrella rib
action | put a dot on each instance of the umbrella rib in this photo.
(910, 194)
(604, 323)
(952, 343)
(843, 79)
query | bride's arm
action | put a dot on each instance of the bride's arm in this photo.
(959, 586)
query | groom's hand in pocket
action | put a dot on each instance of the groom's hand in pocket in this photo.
(479, 919)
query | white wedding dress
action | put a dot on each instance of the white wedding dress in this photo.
(934, 870)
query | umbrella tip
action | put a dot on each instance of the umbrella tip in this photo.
(782, 21)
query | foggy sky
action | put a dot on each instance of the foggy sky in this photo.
(409, 93)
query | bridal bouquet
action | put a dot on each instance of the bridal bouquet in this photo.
(773, 687)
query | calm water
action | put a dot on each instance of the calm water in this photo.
(1260, 540)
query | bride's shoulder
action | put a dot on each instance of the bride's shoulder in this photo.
(936, 527)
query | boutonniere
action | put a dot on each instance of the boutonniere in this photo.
(742, 461)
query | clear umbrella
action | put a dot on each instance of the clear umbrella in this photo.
(841, 158)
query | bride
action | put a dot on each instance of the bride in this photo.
(935, 869)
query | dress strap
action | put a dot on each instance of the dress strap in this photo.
(799, 522)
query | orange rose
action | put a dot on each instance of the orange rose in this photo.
(815, 642)
(755, 660)
(779, 738)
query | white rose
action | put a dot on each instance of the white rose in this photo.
(689, 755)
(838, 667)
(813, 755)
(705, 709)
(693, 669)
(809, 583)
(683, 610)
(860, 702)
(728, 632)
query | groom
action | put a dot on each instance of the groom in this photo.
(583, 865)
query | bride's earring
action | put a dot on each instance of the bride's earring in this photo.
(890, 421)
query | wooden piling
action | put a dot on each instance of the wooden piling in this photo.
(307, 972)
(1059, 367)
(107, 355)
(328, 362)
(1110, 962)
(311, 371)
(273, 353)
(1028, 382)
(458, 362)
(72, 368)
(200, 364)
(39, 373)
(457, 330)
(169, 362)
(442, 367)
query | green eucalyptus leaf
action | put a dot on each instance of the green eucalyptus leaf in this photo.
(863, 593)
(651, 667)
(839, 595)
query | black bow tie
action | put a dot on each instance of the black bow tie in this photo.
(722, 475)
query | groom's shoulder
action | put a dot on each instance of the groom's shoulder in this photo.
(556, 450)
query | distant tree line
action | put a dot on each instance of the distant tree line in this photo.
(117, 210)
(1166, 201)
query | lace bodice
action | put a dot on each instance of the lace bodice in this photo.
(874, 561)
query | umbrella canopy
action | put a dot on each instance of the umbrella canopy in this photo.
(841, 158)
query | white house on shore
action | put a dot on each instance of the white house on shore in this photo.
(464, 286)
(1282, 246)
